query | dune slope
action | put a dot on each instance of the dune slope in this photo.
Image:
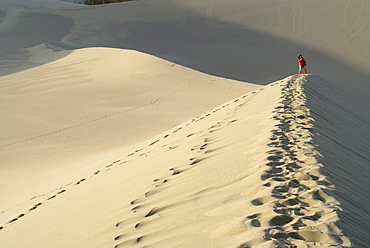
(261, 170)
(66, 117)
(105, 141)
(343, 140)
(250, 41)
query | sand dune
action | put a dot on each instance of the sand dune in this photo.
(243, 40)
(66, 117)
(153, 123)
(235, 176)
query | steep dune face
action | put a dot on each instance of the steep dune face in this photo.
(343, 139)
(266, 169)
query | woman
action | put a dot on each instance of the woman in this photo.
(302, 65)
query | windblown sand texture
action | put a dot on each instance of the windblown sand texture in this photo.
(235, 176)
(118, 130)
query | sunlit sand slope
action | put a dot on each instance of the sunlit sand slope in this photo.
(271, 168)
(61, 119)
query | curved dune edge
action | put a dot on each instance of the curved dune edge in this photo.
(64, 118)
(234, 176)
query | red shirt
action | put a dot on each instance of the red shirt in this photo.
(301, 61)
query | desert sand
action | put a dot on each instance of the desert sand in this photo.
(166, 123)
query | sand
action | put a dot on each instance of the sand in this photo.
(179, 124)
(77, 112)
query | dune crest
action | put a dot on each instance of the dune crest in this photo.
(153, 123)
(301, 211)
(65, 117)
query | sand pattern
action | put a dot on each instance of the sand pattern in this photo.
(261, 188)
(155, 124)
(141, 152)
(294, 207)
(305, 214)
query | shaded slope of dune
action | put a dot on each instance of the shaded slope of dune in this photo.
(238, 39)
(343, 139)
(267, 169)
(284, 165)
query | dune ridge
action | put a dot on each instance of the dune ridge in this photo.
(241, 40)
(304, 212)
(83, 88)
(234, 176)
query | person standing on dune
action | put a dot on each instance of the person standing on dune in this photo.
(301, 65)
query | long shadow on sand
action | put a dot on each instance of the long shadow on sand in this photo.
(215, 47)
(221, 49)
(29, 29)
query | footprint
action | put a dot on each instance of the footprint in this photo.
(262, 200)
(176, 172)
(35, 206)
(151, 192)
(275, 163)
(119, 237)
(13, 220)
(160, 181)
(275, 158)
(256, 202)
(280, 220)
(51, 197)
(196, 161)
(279, 179)
(136, 208)
(62, 191)
(80, 181)
(203, 146)
(137, 201)
(255, 223)
(152, 212)
(317, 196)
(290, 202)
(253, 216)
(177, 130)
(153, 142)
